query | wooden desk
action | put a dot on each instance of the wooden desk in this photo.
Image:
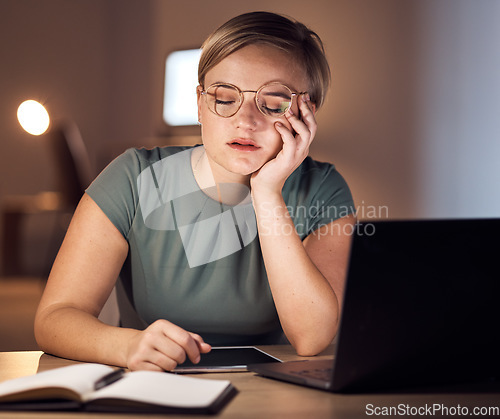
(261, 397)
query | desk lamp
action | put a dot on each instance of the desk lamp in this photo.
(33, 117)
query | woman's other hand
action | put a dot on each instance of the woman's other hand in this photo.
(162, 346)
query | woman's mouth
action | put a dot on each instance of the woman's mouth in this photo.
(241, 144)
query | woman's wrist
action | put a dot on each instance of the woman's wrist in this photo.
(273, 217)
(267, 203)
(266, 193)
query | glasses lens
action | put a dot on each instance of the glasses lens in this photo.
(274, 100)
(224, 100)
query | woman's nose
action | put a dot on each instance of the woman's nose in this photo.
(248, 115)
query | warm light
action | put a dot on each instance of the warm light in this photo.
(33, 117)
(181, 79)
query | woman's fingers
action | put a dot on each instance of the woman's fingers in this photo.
(296, 141)
(297, 136)
(304, 126)
(164, 345)
(202, 345)
(289, 143)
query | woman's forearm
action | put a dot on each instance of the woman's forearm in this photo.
(72, 333)
(306, 303)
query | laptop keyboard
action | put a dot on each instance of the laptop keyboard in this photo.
(324, 374)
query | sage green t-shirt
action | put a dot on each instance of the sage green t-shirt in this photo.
(194, 261)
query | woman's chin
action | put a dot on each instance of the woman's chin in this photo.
(247, 168)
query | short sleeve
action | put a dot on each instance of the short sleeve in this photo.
(115, 191)
(316, 194)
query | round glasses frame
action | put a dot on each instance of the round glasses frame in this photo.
(293, 94)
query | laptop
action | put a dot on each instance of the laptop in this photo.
(421, 309)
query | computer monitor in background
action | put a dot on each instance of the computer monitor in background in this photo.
(181, 79)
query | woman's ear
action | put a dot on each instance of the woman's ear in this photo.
(199, 99)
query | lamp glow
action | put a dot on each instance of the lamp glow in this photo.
(33, 117)
(181, 78)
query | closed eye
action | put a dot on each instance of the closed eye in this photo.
(223, 102)
(272, 110)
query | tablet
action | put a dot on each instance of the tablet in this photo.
(226, 359)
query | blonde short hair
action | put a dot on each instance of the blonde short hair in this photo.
(275, 30)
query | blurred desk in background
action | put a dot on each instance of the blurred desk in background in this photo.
(52, 215)
(19, 298)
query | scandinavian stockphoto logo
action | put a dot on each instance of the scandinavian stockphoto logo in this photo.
(208, 229)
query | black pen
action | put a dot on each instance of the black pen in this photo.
(109, 378)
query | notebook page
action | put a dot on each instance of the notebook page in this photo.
(163, 389)
(78, 378)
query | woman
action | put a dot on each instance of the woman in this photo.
(237, 241)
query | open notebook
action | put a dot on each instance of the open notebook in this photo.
(101, 388)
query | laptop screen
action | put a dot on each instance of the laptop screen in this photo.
(420, 305)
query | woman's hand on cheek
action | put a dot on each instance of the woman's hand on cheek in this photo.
(296, 142)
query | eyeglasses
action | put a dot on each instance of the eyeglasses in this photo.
(272, 99)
